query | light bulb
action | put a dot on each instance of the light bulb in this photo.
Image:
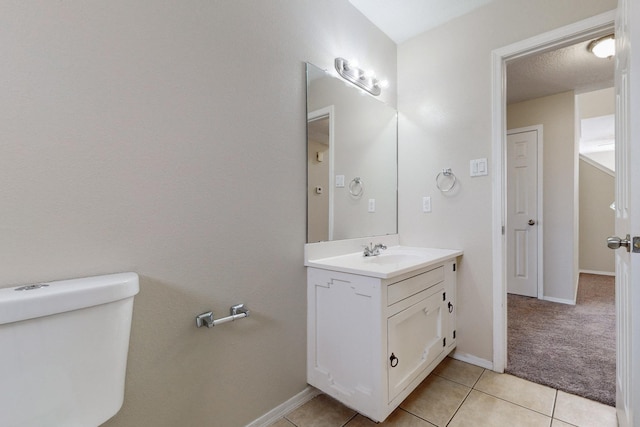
(604, 47)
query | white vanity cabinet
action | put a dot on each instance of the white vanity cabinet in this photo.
(372, 340)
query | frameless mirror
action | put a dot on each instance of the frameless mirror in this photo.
(352, 161)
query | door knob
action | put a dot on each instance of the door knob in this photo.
(531, 222)
(614, 242)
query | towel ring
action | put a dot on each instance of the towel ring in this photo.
(356, 187)
(448, 174)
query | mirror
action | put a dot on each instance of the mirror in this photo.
(352, 170)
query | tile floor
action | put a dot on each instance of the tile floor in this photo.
(458, 394)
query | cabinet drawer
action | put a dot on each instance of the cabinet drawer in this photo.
(411, 286)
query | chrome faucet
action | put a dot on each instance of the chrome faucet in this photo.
(372, 250)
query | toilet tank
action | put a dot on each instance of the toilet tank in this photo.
(63, 350)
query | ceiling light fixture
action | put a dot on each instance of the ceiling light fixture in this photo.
(364, 80)
(604, 47)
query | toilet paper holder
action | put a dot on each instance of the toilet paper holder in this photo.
(237, 311)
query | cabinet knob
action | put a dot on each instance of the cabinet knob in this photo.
(394, 360)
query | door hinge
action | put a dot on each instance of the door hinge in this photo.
(454, 334)
(444, 296)
(454, 266)
(444, 342)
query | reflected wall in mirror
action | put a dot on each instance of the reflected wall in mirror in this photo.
(352, 161)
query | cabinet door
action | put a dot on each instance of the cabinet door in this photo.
(415, 339)
(450, 288)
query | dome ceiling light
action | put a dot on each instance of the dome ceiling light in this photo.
(604, 47)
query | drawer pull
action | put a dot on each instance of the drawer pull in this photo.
(450, 307)
(394, 360)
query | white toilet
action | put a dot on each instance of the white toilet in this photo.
(63, 351)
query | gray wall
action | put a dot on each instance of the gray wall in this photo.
(597, 219)
(444, 100)
(597, 191)
(556, 113)
(168, 138)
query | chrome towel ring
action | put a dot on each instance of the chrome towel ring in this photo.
(443, 177)
(356, 187)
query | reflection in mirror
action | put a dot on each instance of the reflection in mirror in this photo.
(352, 161)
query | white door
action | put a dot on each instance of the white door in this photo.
(522, 211)
(627, 220)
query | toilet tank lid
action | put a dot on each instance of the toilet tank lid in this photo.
(47, 298)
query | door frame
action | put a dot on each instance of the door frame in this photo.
(539, 200)
(564, 36)
(316, 115)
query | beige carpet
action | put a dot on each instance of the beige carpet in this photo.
(571, 348)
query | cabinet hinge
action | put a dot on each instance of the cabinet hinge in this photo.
(454, 334)
(454, 266)
(444, 296)
(444, 342)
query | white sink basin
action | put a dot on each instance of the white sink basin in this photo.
(391, 262)
(393, 258)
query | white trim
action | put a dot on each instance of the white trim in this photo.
(601, 273)
(576, 198)
(597, 165)
(499, 126)
(560, 300)
(315, 115)
(564, 36)
(539, 200)
(474, 360)
(281, 410)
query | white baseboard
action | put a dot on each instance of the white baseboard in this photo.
(602, 273)
(281, 410)
(470, 358)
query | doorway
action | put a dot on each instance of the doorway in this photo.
(320, 152)
(590, 28)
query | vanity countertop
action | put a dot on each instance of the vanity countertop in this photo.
(393, 261)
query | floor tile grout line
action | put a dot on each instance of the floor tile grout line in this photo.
(456, 382)
(416, 415)
(555, 403)
(478, 380)
(350, 419)
(466, 397)
(459, 406)
(516, 404)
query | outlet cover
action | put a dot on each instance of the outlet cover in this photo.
(426, 204)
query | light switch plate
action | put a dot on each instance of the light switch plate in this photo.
(339, 181)
(478, 167)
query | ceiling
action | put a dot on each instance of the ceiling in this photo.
(568, 68)
(403, 19)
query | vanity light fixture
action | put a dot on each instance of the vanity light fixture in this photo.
(603, 47)
(357, 76)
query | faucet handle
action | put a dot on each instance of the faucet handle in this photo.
(368, 250)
